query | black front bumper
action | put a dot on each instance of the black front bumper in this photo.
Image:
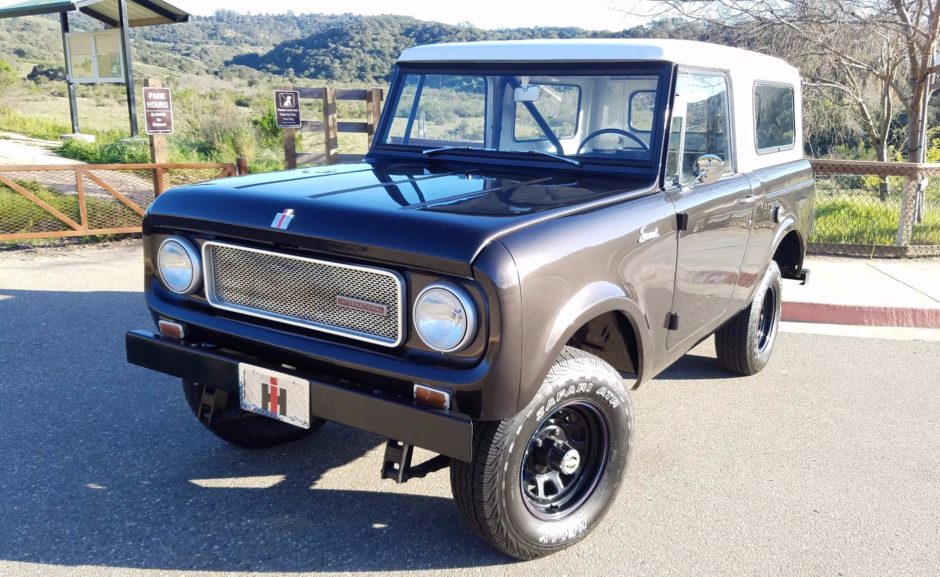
(444, 432)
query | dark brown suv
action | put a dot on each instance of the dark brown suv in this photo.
(538, 228)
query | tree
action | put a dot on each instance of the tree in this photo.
(876, 53)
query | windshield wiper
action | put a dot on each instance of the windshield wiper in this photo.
(435, 151)
(461, 149)
(570, 161)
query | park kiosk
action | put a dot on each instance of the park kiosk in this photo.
(102, 55)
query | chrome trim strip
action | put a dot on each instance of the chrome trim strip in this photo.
(209, 283)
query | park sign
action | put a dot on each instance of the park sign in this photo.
(158, 110)
(287, 108)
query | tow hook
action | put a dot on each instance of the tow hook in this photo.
(397, 463)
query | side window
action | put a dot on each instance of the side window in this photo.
(558, 104)
(773, 117)
(701, 124)
(642, 105)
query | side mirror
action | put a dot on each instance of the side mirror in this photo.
(708, 168)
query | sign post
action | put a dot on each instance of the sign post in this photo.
(158, 120)
(287, 116)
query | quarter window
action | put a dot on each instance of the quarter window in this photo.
(773, 117)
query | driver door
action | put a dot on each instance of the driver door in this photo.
(717, 216)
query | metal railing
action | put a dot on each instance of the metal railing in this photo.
(39, 202)
(876, 208)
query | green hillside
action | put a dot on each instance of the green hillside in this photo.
(344, 48)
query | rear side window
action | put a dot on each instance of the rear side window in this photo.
(773, 117)
(558, 104)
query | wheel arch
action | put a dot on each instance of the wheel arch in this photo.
(603, 320)
(789, 250)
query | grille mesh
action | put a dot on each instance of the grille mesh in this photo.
(303, 291)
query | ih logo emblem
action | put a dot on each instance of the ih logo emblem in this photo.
(273, 398)
(282, 219)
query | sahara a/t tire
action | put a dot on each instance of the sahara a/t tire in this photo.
(246, 429)
(542, 480)
(744, 344)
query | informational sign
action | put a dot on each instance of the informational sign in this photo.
(287, 108)
(158, 110)
(95, 56)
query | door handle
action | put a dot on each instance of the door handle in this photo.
(749, 199)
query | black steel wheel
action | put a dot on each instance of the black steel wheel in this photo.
(744, 344)
(543, 479)
(242, 428)
(565, 459)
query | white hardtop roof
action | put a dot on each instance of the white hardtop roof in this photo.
(687, 52)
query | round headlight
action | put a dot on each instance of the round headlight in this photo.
(444, 317)
(178, 265)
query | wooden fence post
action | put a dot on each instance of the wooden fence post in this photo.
(82, 205)
(290, 148)
(241, 166)
(330, 125)
(157, 148)
(373, 111)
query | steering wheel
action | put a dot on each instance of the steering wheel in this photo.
(603, 131)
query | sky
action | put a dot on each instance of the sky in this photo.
(589, 14)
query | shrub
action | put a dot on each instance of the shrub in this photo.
(7, 74)
(118, 152)
(44, 72)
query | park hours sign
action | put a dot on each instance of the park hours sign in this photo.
(158, 110)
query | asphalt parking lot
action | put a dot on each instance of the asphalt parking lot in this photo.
(827, 463)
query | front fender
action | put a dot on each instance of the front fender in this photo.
(589, 302)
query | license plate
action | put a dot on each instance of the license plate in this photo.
(274, 395)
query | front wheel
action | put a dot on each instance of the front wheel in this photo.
(745, 343)
(542, 480)
(243, 428)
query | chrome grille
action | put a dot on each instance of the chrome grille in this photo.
(305, 292)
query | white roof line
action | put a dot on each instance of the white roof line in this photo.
(685, 52)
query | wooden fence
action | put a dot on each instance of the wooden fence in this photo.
(331, 126)
(38, 202)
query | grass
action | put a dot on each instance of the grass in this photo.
(859, 216)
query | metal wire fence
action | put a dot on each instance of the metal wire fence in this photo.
(876, 208)
(39, 202)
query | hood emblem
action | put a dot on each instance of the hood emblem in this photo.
(282, 219)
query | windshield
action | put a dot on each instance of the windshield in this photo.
(579, 116)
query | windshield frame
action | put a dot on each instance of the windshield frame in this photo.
(663, 70)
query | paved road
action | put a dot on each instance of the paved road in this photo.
(825, 464)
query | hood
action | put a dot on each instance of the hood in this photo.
(439, 218)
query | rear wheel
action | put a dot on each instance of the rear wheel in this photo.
(542, 480)
(745, 343)
(239, 427)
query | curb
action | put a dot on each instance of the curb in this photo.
(860, 315)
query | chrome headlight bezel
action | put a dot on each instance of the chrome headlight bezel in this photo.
(190, 251)
(469, 315)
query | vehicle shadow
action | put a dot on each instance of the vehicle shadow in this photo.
(104, 466)
(695, 367)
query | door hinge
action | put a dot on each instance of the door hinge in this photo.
(682, 220)
(673, 322)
